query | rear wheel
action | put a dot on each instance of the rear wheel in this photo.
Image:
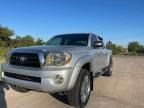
(80, 94)
(109, 69)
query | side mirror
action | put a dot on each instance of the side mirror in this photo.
(98, 44)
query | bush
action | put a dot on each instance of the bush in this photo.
(116, 49)
(3, 51)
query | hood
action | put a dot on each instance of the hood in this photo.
(49, 48)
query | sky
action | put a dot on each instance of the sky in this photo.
(120, 21)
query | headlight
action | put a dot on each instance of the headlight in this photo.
(57, 59)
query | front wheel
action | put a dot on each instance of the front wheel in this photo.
(80, 94)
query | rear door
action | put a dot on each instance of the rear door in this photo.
(103, 53)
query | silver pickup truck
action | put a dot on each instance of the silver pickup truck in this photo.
(67, 63)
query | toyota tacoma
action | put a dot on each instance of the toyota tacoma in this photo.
(67, 63)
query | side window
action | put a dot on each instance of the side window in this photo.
(93, 39)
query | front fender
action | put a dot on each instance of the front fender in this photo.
(77, 68)
(83, 60)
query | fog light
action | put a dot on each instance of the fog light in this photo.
(59, 79)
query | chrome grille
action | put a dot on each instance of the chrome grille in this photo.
(25, 59)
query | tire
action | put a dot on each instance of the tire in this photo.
(108, 73)
(80, 94)
(19, 89)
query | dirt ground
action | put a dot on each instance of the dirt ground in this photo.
(125, 89)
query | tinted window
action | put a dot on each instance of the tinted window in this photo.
(69, 39)
(93, 39)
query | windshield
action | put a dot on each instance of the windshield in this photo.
(69, 39)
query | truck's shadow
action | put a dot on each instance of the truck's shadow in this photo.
(62, 97)
(3, 103)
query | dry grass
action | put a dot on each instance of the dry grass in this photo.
(2, 60)
(0, 73)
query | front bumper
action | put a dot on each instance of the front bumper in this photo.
(47, 75)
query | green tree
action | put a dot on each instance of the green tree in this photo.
(39, 41)
(120, 49)
(5, 36)
(116, 49)
(5, 33)
(141, 50)
(134, 47)
(27, 40)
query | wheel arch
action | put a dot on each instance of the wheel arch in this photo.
(109, 58)
(83, 63)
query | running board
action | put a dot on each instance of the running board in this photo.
(99, 73)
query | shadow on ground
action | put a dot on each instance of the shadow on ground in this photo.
(62, 97)
(3, 87)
